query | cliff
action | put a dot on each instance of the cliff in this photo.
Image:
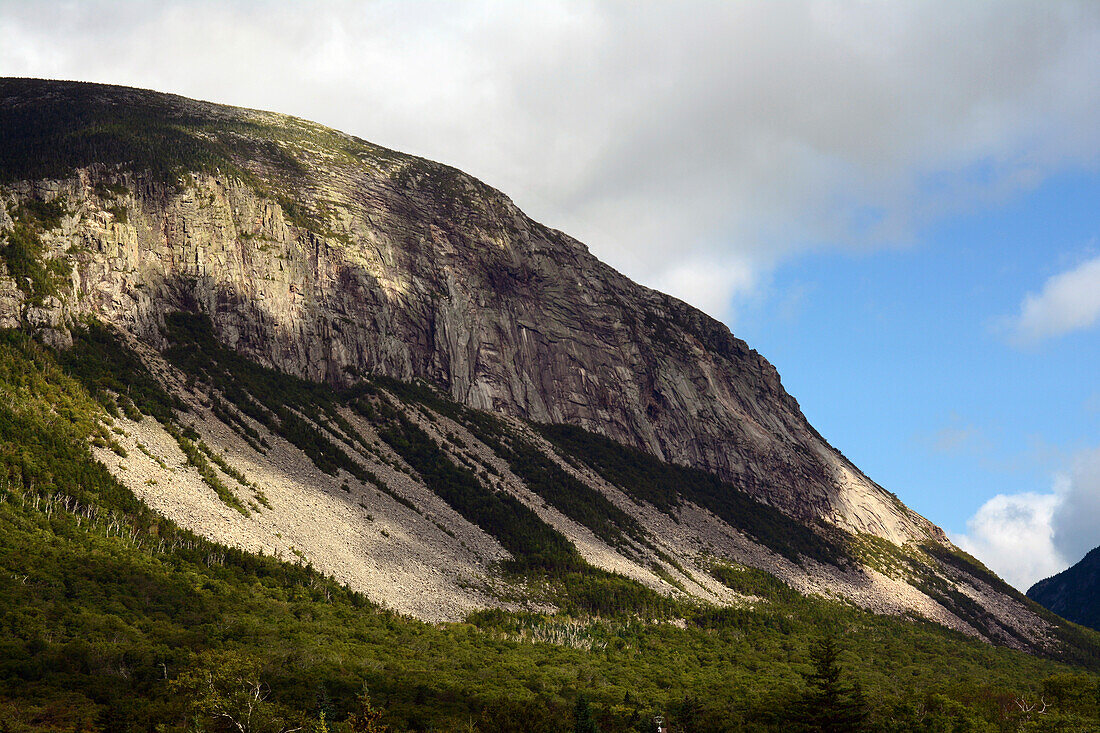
(329, 258)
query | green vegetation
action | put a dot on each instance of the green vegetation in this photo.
(292, 408)
(307, 415)
(52, 128)
(304, 413)
(541, 474)
(233, 473)
(110, 190)
(118, 211)
(24, 254)
(552, 567)
(534, 545)
(114, 619)
(1071, 593)
(196, 457)
(830, 704)
(665, 486)
(1077, 645)
(44, 214)
(115, 376)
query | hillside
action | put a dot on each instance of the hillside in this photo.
(357, 380)
(1073, 593)
(109, 608)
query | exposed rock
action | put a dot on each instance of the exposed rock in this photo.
(11, 303)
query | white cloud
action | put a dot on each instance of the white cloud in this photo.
(1069, 301)
(1013, 536)
(710, 286)
(957, 437)
(953, 439)
(1076, 520)
(658, 133)
(1027, 537)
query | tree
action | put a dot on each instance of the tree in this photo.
(324, 712)
(227, 694)
(367, 719)
(830, 704)
(583, 722)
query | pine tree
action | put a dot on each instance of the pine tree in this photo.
(367, 719)
(583, 722)
(324, 709)
(830, 704)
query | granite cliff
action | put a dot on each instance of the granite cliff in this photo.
(327, 257)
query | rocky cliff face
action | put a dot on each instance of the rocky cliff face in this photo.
(327, 257)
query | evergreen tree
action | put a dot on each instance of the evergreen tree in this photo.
(324, 710)
(830, 704)
(583, 722)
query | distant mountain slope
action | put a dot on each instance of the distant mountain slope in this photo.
(496, 419)
(1073, 593)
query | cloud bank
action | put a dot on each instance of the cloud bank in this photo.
(693, 145)
(1076, 520)
(1027, 537)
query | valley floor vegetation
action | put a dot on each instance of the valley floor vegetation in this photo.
(114, 619)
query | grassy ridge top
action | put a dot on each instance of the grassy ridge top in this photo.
(50, 128)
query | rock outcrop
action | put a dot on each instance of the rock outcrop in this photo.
(325, 257)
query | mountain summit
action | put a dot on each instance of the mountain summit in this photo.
(379, 364)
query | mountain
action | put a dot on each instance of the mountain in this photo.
(304, 345)
(1073, 593)
(327, 257)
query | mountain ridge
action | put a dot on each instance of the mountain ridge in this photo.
(1073, 593)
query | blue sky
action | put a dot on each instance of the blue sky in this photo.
(904, 358)
(894, 202)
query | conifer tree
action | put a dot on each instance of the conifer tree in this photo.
(367, 719)
(583, 722)
(830, 704)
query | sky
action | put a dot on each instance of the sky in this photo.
(897, 203)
